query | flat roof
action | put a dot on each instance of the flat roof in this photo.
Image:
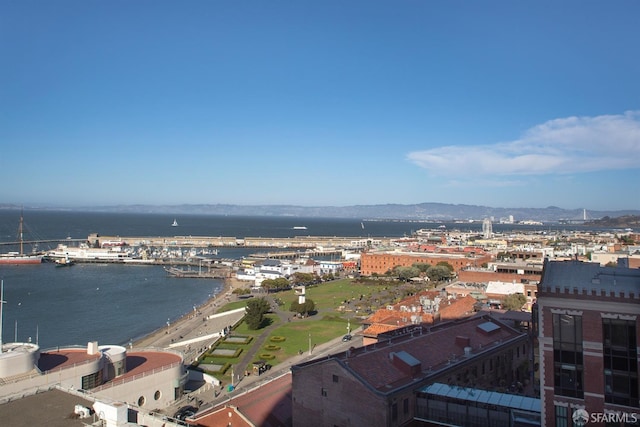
(65, 357)
(589, 276)
(53, 408)
(513, 401)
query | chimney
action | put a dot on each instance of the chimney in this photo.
(92, 348)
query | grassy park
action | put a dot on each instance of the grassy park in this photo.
(338, 303)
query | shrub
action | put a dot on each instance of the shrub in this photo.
(272, 347)
(266, 356)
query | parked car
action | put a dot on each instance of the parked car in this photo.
(346, 338)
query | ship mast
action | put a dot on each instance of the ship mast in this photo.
(2, 301)
(20, 232)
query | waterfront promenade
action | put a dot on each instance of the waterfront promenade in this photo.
(197, 329)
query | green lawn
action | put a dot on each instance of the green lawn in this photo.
(328, 323)
(298, 332)
(331, 295)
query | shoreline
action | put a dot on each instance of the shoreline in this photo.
(162, 336)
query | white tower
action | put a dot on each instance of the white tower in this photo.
(300, 291)
(487, 230)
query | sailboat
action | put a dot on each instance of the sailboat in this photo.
(175, 223)
(20, 257)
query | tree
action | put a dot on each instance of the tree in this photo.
(299, 278)
(256, 309)
(275, 284)
(303, 309)
(514, 301)
(422, 266)
(446, 265)
(406, 273)
(438, 272)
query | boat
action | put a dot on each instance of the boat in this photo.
(64, 262)
(175, 223)
(299, 227)
(16, 258)
(85, 253)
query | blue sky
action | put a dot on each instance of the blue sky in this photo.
(320, 103)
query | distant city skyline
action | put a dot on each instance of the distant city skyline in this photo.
(328, 103)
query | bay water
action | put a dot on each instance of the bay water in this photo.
(116, 303)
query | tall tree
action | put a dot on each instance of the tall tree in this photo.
(256, 309)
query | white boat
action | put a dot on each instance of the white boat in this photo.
(299, 227)
(87, 254)
(175, 223)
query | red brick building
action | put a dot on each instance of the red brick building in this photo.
(589, 330)
(426, 308)
(377, 385)
(382, 262)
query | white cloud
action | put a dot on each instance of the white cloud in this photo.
(560, 146)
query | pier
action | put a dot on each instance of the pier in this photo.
(298, 242)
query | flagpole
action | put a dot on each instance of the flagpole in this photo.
(1, 305)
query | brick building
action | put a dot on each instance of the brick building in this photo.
(589, 329)
(377, 385)
(382, 262)
(425, 308)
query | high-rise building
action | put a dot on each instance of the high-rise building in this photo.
(589, 329)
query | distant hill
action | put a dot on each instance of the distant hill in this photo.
(414, 212)
(625, 221)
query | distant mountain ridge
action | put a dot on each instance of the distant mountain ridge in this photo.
(412, 212)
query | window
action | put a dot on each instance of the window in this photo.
(562, 418)
(620, 362)
(335, 378)
(405, 406)
(323, 392)
(567, 355)
(92, 380)
(394, 411)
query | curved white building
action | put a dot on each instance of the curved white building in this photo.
(146, 378)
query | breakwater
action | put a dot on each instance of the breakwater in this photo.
(296, 242)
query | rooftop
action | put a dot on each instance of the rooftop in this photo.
(587, 277)
(435, 349)
(506, 400)
(267, 405)
(65, 357)
(53, 408)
